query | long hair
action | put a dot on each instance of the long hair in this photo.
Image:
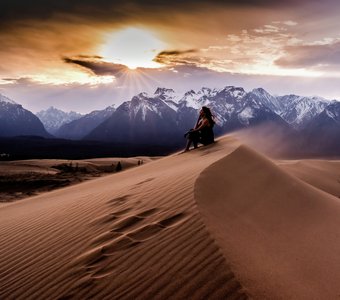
(208, 115)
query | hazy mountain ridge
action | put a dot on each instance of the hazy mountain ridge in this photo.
(82, 126)
(54, 118)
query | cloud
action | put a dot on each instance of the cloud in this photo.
(22, 81)
(93, 65)
(35, 34)
(252, 51)
(306, 56)
(176, 52)
(290, 23)
(41, 9)
(177, 57)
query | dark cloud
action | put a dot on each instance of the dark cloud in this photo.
(305, 56)
(193, 69)
(9, 79)
(89, 56)
(176, 52)
(13, 10)
(95, 66)
(176, 57)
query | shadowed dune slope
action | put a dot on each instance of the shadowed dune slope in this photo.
(280, 234)
(323, 174)
(132, 235)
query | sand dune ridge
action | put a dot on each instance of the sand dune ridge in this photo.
(281, 235)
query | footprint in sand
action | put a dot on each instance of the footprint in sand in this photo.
(130, 221)
(118, 200)
(122, 243)
(126, 223)
(148, 231)
(168, 222)
(147, 212)
(127, 233)
(109, 218)
(146, 180)
(120, 224)
(141, 183)
(105, 237)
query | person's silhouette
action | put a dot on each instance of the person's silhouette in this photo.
(203, 131)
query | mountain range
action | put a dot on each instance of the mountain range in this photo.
(54, 118)
(164, 116)
(15, 120)
(80, 127)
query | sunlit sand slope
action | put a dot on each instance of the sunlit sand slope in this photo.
(133, 235)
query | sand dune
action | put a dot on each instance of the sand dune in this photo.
(219, 222)
(281, 235)
(132, 235)
(322, 174)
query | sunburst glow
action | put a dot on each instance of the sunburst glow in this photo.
(132, 47)
(72, 77)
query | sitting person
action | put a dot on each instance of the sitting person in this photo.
(203, 132)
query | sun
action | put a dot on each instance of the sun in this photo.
(132, 47)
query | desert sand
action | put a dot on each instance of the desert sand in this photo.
(22, 178)
(219, 222)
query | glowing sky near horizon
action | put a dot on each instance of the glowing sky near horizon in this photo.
(85, 54)
(133, 47)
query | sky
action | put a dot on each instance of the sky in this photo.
(86, 55)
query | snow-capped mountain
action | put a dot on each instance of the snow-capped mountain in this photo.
(4, 99)
(54, 118)
(163, 117)
(198, 99)
(256, 110)
(15, 120)
(151, 118)
(299, 110)
(268, 100)
(143, 120)
(233, 107)
(223, 102)
(169, 96)
(80, 127)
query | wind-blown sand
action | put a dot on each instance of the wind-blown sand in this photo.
(220, 222)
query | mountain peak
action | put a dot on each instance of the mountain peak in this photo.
(6, 99)
(162, 91)
(142, 95)
(205, 91)
(53, 118)
(231, 87)
(190, 93)
(236, 92)
(260, 91)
